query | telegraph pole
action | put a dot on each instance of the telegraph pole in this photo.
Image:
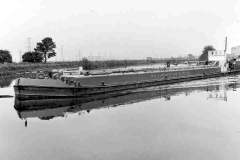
(29, 42)
(79, 55)
(61, 51)
(91, 56)
(20, 57)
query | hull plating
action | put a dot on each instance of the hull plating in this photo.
(36, 92)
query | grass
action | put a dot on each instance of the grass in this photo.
(13, 68)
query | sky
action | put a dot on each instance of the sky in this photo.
(126, 29)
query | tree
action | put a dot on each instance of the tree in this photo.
(86, 64)
(32, 57)
(46, 48)
(204, 55)
(190, 56)
(5, 56)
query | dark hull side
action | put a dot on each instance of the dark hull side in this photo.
(58, 107)
(37, 92)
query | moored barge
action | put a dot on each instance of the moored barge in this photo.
(80, 86)
(82, 83)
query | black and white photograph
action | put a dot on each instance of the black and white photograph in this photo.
(113, 80)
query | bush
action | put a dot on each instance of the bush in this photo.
(32, 57)
(5, 56)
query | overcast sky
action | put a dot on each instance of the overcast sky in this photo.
(129, 29)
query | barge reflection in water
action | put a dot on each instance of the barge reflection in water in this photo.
(46, 109)
(192, 120)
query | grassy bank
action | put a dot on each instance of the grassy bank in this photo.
(13, 68)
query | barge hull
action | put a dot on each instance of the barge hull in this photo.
(38, 92)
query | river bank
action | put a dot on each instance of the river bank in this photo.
(12, 69)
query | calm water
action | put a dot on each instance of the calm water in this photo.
(193, 120)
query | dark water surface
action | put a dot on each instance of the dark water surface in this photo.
(193, 120)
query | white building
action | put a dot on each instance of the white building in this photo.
(220, 57)
(235, 51)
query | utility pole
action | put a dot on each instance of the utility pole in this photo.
(29, 42)
(61, 51)
(20, 56)
(91, 56)
(79, 55)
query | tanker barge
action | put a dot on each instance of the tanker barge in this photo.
(85, 84)
(80, 86)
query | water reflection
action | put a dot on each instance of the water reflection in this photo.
(46, 109)
(190, 120)
(5, 81)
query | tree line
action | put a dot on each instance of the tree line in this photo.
(42, 52)
(45, 50)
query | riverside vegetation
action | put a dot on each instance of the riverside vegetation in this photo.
(37, 60)
(13, 68)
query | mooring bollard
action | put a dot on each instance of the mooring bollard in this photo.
(103, 83)
(66, 80)
(75, 83)
(79, 84)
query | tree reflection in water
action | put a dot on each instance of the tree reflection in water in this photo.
(5, 81)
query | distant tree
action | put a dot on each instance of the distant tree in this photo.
(46, 48)
(5, 56)
(190, 56)
(32, 57)
(204, 55)
(86, 64)
(180, 57)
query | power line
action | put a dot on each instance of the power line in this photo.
(76, 57)
(91, 56)
(98, 57)
(29, 42)
(79, 55)
(61, 51)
